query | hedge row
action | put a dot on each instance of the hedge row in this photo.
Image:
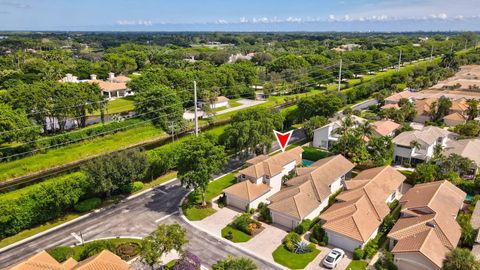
(41, 202)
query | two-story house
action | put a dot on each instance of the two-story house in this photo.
(427, 229)
(359, 210)
(307, 194)
(417, 146)
(324, 137)
(262, 178)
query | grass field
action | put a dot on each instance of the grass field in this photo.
(77, 151)
(238, 236)
(292, 260)
(118, 105)
(357, 265)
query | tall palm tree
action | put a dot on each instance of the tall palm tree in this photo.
(438, 152)
(366, 128)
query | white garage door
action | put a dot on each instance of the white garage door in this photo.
(283, 220)
(342, 242)
(236, 202)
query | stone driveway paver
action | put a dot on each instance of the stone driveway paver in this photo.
(266, 241)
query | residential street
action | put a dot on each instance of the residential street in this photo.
(136, 218)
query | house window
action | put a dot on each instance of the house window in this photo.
(394, 194)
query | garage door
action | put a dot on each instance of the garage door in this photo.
(342, 242)
(283, 220)
(236, 202)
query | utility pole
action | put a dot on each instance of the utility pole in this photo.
(431, 54)
(466, 42)
(195, 104)
(451, 48)
(340, 76)
(399, 61)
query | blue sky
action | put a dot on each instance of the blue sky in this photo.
(245, 15)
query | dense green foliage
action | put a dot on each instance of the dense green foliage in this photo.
(460, 259)
(40, 202)
(231, 263)
(87, 205)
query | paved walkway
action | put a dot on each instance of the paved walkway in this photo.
(266, 241)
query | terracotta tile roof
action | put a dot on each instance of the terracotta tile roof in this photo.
(121, 79)
(104, 260)
(108, 86)
(422, 106)
(385, 127)
(69, 264)
(311, 187)
(396, 97)
(469, 148)
(247, 190)
(459, 105)
(274, 164)
(424, 242)
(257, 159)
(361, 208)
(455, 117)
(428, 135)
(39, 261)
(390, 106)
(221, 99)
(428, 222)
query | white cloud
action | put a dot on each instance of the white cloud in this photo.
(135, 22)
(243, 20)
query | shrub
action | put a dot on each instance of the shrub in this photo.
(303, 227)
(127, 251)
(358, 254)
(245, 224)
(87, 205)
(61, 254)
(290, 240)
(318, 235)
(324, 241)
(133, 187)
(371, 248)
(93, 248)
(386, 262)
(35, 204)
(265, 213)
(161, 160)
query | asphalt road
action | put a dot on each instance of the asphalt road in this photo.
(136, 218)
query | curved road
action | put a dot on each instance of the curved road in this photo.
(136, 218)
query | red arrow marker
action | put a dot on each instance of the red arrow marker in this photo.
(283, 138)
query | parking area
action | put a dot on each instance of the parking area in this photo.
(219, 220)
(266, 241)
(317, 263)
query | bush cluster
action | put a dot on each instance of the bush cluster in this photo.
(319, 236)
(303, 227)
(245, 224)
(290, 241)
(264, 212)
(38, 203)
(87, 205)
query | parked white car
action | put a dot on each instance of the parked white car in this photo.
(332, 258)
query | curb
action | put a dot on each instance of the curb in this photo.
(80, 218)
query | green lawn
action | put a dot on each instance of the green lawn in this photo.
(292, 260)
(30, 232)
(214, 189)
(238, 236)
(118, 105)
(234, 103)
(160, 180)
(314, 154)
(78, 151)
(357, 265)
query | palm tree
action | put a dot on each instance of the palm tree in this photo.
(415, 145)
(366, 128)
(438, 152)
(472, 110)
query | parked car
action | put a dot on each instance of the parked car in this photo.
(332, 258)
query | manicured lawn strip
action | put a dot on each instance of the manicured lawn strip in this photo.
(77, 151)
(30, 232)
(238, 236)
(357, 265)
(314, 154)
(160, 180)
(291, 260)
(118, 105)
(214, 189)
(195, 214)
(234, 103)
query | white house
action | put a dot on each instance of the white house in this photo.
(220, 102)
(325, 136)
(427, 139)
(261, 179)
(113, 87)
(307, 194)
(358, 212)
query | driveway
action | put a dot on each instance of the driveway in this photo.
(215, 223)
(317, 262)
(266, 241)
